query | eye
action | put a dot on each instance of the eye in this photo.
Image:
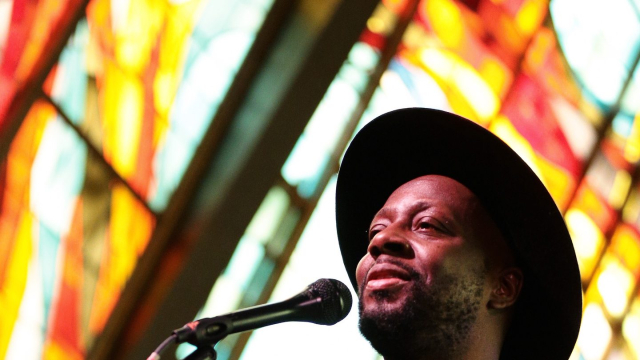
(427, 224)
(374, 231)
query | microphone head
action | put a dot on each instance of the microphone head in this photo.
(336, 300)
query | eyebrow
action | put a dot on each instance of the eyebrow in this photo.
(384, 212)
(418, 206)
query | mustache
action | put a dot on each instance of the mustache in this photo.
(413, 274)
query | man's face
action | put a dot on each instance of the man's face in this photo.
(425, 272)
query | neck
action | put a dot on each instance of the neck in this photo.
(483, 343)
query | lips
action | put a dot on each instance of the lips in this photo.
(385, 276)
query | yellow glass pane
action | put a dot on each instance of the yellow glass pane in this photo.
(136, 35)
(632, 147)
(631, 328)
(557, 180)
(538, 52)
(595, 333)
(179, 21)
(123, 106)
(382, 21)
(16, 222)
(615, 284)
(497, 76)
(129, 231)
(446, 21)
(593, 205)
(625, 243)
(15, 279)
(631, 210)
(503, 128)
(530, 16)
(477, 92)
(588, 240)
(450, 69)
(620, 188)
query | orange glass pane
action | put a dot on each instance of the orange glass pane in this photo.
(529, 110)
(596, 207)
(544, 63)
(64, 333)
(16, 223)
(558, 181)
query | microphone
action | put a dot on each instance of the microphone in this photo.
(325, 302)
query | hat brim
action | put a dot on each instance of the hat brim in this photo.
(405, 144)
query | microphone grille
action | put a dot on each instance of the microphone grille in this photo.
(336, 300)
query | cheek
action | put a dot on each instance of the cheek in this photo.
(362, 268)
(464, 261)
(431, 259)
(439, 259)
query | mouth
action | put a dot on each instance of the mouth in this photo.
(386, 276)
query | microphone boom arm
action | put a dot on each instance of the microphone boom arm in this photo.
(209, 331)
(324, 302)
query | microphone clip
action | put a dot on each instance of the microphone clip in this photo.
(208, 331)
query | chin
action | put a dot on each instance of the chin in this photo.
(384, 300)
(386, 323)
(386, 310)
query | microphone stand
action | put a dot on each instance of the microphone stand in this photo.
(209, 337)
(202, 352)
(205, 337)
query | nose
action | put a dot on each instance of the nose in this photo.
(391, 242)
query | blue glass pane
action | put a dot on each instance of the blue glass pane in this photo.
(217, 47)
(70, 84)
(631, 99)
(48, 245)
(57, 176)
(622, 125)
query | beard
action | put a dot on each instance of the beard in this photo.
(434, 320)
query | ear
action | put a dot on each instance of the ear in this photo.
(507, 288)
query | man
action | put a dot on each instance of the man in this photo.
(456, 248)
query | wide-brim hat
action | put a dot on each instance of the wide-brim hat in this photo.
(405, 144)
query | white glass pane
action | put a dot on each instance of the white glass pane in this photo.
(600, 40)
(316, 256)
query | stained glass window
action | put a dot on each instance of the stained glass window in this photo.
(99, 155)
(109, 127)
(511, 76)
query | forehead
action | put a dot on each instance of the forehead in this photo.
(454, 204)
(437, 189)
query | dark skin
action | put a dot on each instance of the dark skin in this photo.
(438, 280)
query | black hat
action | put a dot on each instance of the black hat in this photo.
(405, 144)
